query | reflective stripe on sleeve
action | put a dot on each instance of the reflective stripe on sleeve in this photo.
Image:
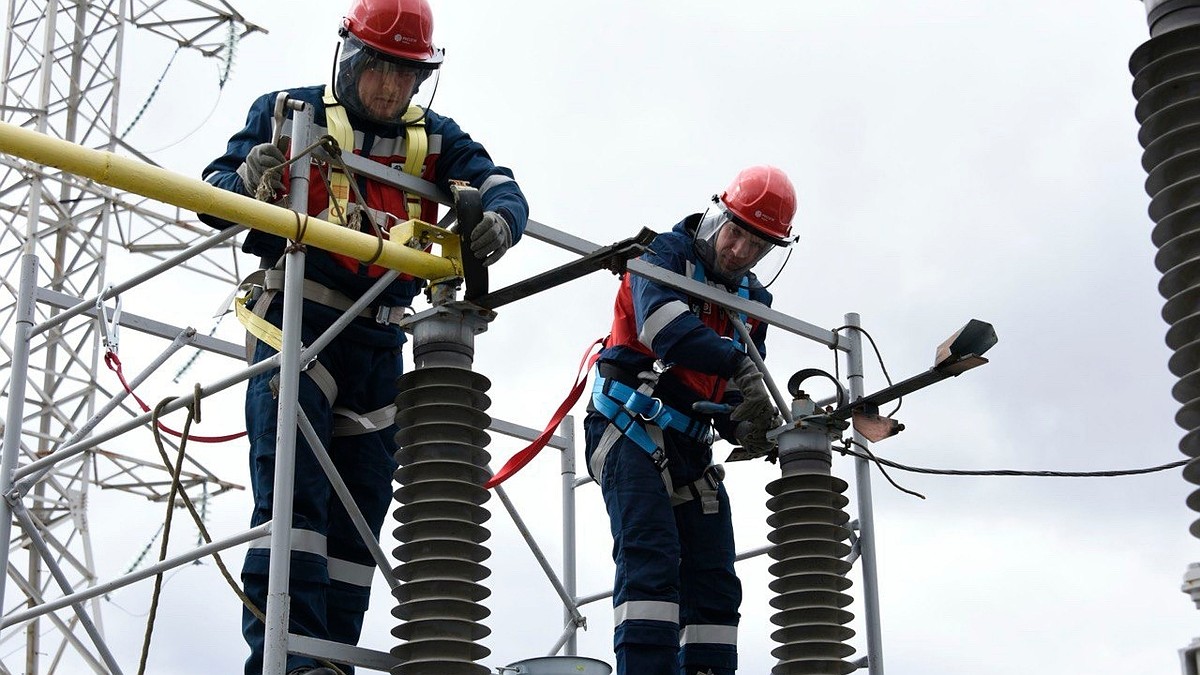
(659, 319)
(493, 181)
(709, 634)
(651, 610)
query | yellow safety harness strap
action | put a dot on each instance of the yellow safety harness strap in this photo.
(261, 329)
(416, 149)
(338, 126)
(346, 422)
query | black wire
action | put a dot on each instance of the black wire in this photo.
(878, 356)
(1011, 472)
(879, 464)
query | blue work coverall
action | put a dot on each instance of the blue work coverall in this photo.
(676, 594)
(331, 567)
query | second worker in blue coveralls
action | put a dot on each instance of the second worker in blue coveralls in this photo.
(386, 58)
(676, 594)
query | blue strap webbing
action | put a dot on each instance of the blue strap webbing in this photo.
(619, 403)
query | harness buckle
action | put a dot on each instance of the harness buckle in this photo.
(659, 457)
(392, 315)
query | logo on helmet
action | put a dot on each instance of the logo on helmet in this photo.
(762, 216)
(398, 37)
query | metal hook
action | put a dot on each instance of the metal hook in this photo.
(109, 324)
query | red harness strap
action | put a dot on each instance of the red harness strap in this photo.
(519, 460)
(110, 358)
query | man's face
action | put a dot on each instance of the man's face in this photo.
(737, 248)
(385, 89)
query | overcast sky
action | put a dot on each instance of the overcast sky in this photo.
(953, 160)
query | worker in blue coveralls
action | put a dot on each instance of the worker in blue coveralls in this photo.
(676, 594)
(385, 60)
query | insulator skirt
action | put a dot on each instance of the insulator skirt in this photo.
(1166, 71)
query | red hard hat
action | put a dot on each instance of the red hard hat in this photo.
(763, 198)
(402, 29)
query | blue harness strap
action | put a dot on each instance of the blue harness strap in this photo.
(623, 405)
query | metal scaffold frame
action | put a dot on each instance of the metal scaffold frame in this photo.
(443, 324)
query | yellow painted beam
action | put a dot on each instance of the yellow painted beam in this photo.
(196, 195)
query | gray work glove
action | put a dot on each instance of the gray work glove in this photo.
(490, 238)
(261, 159)
(752, 436)
(756, 406)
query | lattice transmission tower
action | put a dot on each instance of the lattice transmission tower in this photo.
(62, 66)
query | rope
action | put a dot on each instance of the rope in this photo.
(114, 364)
(264, 193)
(176, 490)
(175, 470)
(335, 155)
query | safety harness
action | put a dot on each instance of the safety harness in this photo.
(256, 291)
(743, 292)
(269, 282)
(416, 148)
(627, 408)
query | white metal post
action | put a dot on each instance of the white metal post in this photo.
(866, 518)
(567, 429)
(278, 606)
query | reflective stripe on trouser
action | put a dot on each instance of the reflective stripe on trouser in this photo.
(330, 565)
(676, 595)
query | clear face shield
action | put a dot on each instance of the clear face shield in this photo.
(378, 88)
(731, 249)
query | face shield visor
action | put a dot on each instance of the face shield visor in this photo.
(730, 248)
(380, 88)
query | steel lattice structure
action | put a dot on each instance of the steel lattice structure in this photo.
(62, 65)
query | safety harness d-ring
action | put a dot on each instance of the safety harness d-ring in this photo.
(657, 408)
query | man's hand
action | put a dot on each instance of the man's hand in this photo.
(753, 437)
(259, 162)
(490, 238)
(756, 403)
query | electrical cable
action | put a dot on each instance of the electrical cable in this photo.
(198, 127)
(878, 356)
(880, 462)
(153, 93)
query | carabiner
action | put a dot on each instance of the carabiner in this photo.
(109, 324)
